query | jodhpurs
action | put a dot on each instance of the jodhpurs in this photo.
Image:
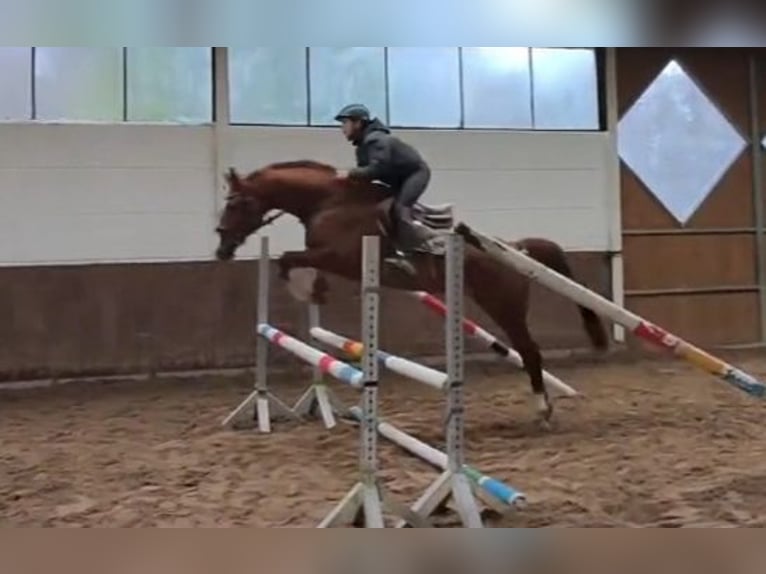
(409, 192)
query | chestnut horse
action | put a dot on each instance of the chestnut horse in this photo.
(337, 213)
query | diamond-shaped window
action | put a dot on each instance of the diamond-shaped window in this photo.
(677, 142)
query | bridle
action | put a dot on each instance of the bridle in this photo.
(272, 218)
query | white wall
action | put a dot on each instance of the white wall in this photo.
(98, 193)
(509, 184)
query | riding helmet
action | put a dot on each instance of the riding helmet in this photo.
(353, 112)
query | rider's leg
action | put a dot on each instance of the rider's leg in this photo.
(409, 193)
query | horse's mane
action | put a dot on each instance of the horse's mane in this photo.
(303, 163)
(346, 193)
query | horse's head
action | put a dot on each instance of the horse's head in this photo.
(242, 215)
(294, 187)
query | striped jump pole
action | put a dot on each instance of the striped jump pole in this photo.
(637, 325)
(326, 363)
(472, 329)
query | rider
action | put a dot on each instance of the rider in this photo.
(384, 157)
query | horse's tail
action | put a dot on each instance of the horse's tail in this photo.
(552, 255)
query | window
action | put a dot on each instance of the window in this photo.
(497, 88)
(418, 87)
(565, 89)
(79, 84)
(268, 86)
(16, 91)
(341, 76)
(677, 141)
(169, 85)
(424, 87)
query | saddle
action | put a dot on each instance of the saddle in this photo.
(436, 217)
(429, 224)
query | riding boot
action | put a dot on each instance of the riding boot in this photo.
(409, 235)
(401, 236)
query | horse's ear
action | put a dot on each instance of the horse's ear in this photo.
(232, 178)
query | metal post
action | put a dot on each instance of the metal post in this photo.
(367, 499)
(758, 207)
(453, 482)
(364, 498)
(454, 345)
(461, 488)
(370, 306)
(261, 345)
(614, 206)
(261, 396)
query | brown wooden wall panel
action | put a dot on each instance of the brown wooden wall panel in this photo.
(640, 209)
(112, 319)
(760, 56)
(730, 204)
(718, 319)
(657, 262)
(724, 75)
(689, 261)
(637, 67)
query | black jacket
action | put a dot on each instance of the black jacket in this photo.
(382, 156)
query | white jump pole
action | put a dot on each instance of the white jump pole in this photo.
(267, 405)
(637, 325)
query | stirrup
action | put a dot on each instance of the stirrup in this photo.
(402, 263)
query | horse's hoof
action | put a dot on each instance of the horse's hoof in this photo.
(544, 411)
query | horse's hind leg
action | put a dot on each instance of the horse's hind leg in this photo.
(525, 345)
(504, 296)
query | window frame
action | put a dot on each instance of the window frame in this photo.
(600, 71)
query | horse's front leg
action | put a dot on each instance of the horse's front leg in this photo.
(300, 269)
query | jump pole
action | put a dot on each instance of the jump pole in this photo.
(637, 325)
(267, 405)
(471, 328)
